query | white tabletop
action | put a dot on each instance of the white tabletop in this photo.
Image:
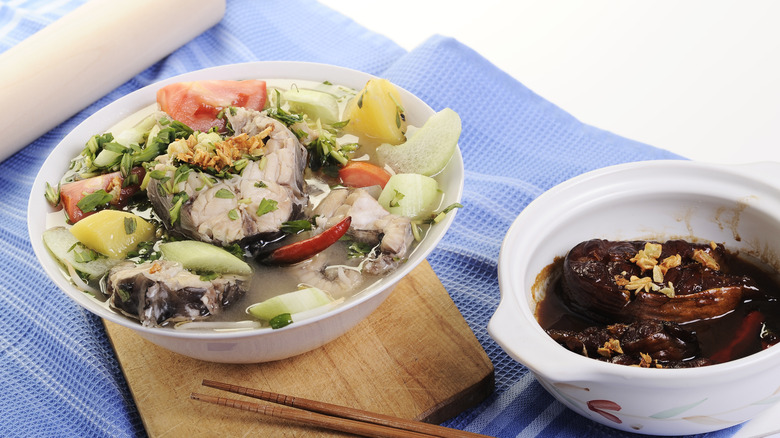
(699, 78)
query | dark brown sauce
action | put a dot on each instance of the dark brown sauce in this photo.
(714, 334)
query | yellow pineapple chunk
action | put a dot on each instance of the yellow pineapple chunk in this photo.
(112, 233)
(376, 113)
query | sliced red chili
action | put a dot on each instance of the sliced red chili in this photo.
(748, 332)
(304, 249)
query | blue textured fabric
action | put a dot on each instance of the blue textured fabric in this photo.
(58, 374)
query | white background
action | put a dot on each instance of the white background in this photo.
(700, 78)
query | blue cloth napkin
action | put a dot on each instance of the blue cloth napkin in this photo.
(58, 374)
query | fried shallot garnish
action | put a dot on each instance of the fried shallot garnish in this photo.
(221, 154)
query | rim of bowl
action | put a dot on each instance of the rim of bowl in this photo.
(557, 363)
(135, 101)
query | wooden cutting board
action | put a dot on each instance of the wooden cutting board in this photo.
(413, 357)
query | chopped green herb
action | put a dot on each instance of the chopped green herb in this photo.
(280, 321)
(181, 174)
(236, 250)
(97, 142)
(451, 207)
(266, 206)
(158, 175)
(126, 165)
(396, 198)
(437, 217)
(281, 115)
(295, 227)
(416, 231)
(115, 147)
(208, 275)
(239, 165)
(162, 189)
(82, 254)
(300, 133)
(131, 180)
(130, 225)
(123, 294)
(233, 214)
(399, 111)
(261, 184)
(178, 200)
(145, 251)
(224, 194)
(359, 249)
(52, 195)
(208, 179)
(326, 155)
(94, 200)
(339, 125)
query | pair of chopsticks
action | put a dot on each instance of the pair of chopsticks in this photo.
(328, 416)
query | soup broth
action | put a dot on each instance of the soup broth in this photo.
(332, 270)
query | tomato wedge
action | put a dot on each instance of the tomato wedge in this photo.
(363, 174)
(72, 193)
(196, 104)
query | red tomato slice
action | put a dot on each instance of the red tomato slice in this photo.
(72, 193)
(363, 174)
(196, 104)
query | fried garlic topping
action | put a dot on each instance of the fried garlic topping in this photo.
(670, 262)
(647, 258)
(611, 346)
(637, 284)
(220, 154)
(706, 259)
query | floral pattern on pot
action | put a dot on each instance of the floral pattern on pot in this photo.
(601, 406)
(608, 408)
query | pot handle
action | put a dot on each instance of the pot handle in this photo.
(528, 344)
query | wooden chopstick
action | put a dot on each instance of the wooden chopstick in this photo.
(313, 418)
(342, 418)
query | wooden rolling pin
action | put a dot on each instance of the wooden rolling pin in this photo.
(66, 66)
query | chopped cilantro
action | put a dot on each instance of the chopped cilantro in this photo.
(94, 200)
(281, 320)
(396, 198)
(130, 225)
(266, 206)
(294, 227)
(359, 249)
(178, 200)
(208, 275)
(224, 194)
(52, 194)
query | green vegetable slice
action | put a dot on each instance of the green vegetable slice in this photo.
(315, 104)
(68, 250)
(290, 303)
(410, 194)
(428, 149)
(201, 256)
